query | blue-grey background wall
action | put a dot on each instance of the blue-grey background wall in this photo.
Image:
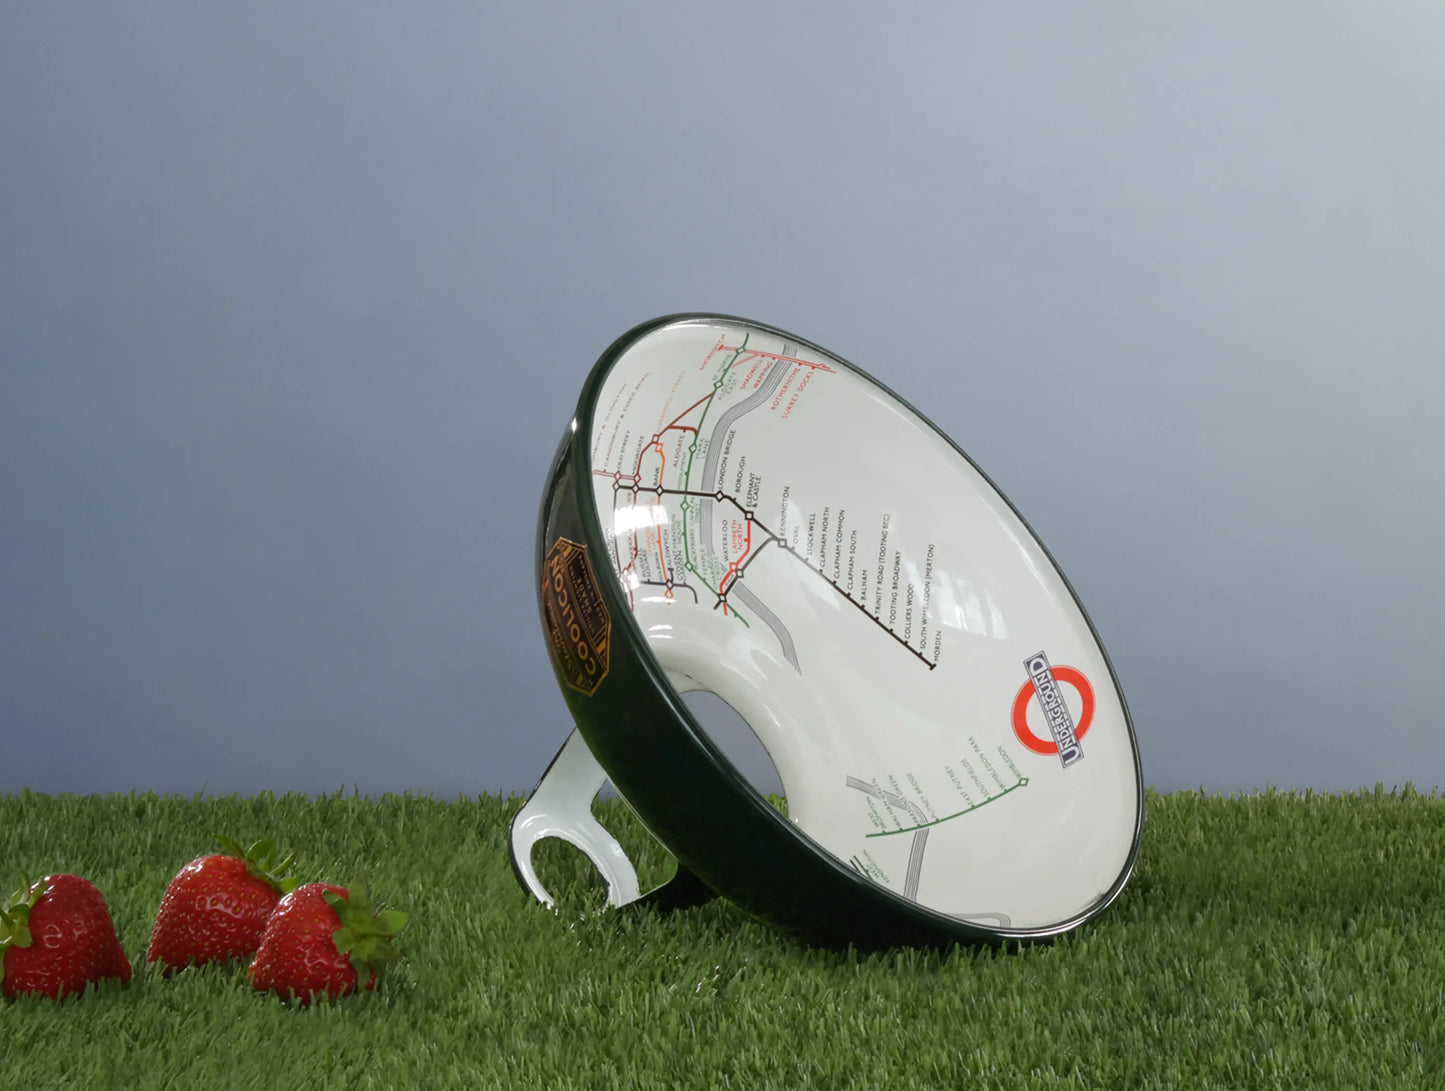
(295, 301)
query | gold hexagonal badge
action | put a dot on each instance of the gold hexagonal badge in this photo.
(578, 625)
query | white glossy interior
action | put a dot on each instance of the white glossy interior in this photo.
(796, 541)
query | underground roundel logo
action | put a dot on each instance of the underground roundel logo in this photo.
(1044, 686)
(578, 625)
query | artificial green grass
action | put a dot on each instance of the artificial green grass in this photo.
(1274, 940)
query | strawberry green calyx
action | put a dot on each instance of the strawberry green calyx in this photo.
(261, 862)
(15, 918)
(365, 936)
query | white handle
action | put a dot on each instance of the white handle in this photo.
(561, 806)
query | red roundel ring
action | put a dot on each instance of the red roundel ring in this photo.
(1026, 736)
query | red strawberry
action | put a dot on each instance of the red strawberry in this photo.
(216, 907)
(56, 937)
(324, 939)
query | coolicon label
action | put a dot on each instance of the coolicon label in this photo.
(577, 621)
(1043, 685)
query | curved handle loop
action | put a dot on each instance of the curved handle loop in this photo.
(561, 806)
